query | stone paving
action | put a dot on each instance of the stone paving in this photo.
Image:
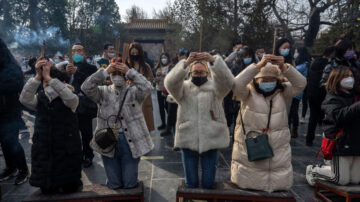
(162, 169)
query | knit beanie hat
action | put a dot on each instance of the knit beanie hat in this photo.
(269, 70)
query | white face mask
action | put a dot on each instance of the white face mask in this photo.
(111, 55)
(164, 61)
(51, 93)
(347, 83)
(118, 81)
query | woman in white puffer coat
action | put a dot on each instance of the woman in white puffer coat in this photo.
(256, 86)
(201, 128)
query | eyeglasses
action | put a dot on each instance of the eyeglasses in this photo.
(199, 72)
(77, 50)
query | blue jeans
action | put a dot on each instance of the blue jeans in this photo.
(122, 170)
(208, 165)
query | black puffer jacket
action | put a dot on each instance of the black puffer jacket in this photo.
(86, 106)
(341, 111)
(11, 84)
(56, 153)
(335, 63)
(314, 76)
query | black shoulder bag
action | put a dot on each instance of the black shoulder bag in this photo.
(258, 147)
(106, 138)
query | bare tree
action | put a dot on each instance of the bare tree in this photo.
(301, 16)
(135, 12)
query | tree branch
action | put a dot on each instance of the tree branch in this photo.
(326, 23)
(298, 28)
(327, 5)
(311, 3)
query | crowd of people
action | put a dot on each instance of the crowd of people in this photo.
(205, 99)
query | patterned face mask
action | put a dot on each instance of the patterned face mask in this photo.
(118, 81)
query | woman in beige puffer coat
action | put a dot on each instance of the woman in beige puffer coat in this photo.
(255, 87)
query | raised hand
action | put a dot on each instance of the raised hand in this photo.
(111, 68)
(123, 68)
(70, 69)
(38, 68)
(46, 71)
(280, 61)
(190, 59)
(264, 60)
(205, 56)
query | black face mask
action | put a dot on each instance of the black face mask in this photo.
(134, 57)
(199, 80)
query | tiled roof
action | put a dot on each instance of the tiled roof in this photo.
(148, 24)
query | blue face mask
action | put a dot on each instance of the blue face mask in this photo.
(78, 58)
(284, 52)
(247, 61)
(296, 55)
(56, 61)
(267, 86)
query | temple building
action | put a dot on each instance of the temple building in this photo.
(153, 34)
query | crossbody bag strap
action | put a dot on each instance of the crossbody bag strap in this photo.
(265, 130)
(268, 123)
(121, 106)
(241, 119)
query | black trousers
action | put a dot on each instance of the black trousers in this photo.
(229, 109)
(12, 149)
(294, 114)
(316, 116)
(85, 127)
(304, 103)
(172, 114)
(162, 106)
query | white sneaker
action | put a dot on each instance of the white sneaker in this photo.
(22, 131)
(310, 175)
(302, 120)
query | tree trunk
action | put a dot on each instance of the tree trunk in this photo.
(33, 9)
(314, 26)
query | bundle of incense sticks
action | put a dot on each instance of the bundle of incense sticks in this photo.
(42, 52)
(70, 56)
(164, 48)
(117, 48)
(274, 42)
(201, 33)
(125, 51)
(117, 51)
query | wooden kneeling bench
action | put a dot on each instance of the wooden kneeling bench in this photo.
(92, 193)
(229, 191)
(349, 192)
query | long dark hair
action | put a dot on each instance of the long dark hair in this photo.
(342, 47)
(340, 51)
(160, 63)
(142, 65)
(303, 57)
(279, 43)
(246, 52)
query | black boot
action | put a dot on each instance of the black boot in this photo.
(294, 133)
(166, 132)
(162, 127)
